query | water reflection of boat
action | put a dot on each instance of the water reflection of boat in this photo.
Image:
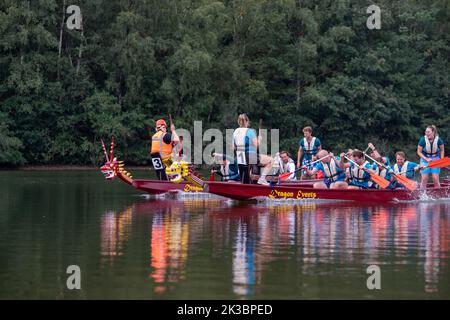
(252, 241)
(115, 229)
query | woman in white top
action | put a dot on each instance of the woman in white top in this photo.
(246, 143)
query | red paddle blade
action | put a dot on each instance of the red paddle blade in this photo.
(444, 162)
(409, 184)
(284, 176)
(382, 182)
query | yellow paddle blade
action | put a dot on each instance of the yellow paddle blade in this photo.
(409, 184)
(382, 182)
(444, 162)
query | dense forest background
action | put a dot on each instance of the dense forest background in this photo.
(290, 62)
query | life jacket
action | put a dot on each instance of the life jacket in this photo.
(308, 147)
(159, 146)
(331, 170)
(404, 168)
(431, 149)
(239, 136)
(359, 174)
(382, 172)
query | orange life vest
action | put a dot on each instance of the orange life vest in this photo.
(159, 146)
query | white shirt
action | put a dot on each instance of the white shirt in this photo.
(290, 167)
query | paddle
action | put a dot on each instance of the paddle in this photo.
(286, 175)
(382, 182)
(440, 163)
(409, 184)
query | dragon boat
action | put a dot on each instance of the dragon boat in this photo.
(178, 172)
(184, 179)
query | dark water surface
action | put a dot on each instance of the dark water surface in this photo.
(129, 247)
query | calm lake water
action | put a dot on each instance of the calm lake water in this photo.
(130, 247)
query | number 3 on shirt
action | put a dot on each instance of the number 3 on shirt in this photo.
(241, 157)
(157, 163)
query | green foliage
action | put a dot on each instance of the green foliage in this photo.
(10, 146)
(292, 63)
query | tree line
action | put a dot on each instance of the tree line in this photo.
(291, 63)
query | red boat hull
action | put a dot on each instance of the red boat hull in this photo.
(159, 187)
(247, 192)
(292, 190)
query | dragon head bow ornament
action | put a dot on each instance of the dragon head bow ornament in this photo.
(113, 168)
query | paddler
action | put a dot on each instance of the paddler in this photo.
(307, 151)
(404, 168)
(287, 165)
(430, 148)
(348, 176)
(246, 143)
(161, 148)
(376, 155)
(229, 170)
(381, 170)
(360, 170)
(334, 175)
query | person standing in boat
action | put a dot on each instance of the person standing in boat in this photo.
(287, 165)
(161, 148)
(430, 148)
(404, 168)
(334, 175)
(360, 170)
(307, 151)
(246, 143)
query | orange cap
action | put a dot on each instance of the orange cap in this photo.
(161, 122)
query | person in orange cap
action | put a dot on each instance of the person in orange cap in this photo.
(161, 148)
